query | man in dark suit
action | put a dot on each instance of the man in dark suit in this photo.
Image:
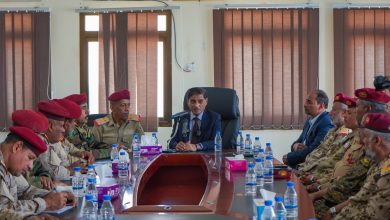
(314, 130)
(195, 130)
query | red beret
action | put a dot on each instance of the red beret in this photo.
(116, 96)
(28, 135)
(73, 109)
(350, 102)
(53, 110)
(30, 119)
(372, 95)
(377, 121)
(79, 99)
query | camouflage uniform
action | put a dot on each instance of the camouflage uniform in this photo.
(334, 137)
(373, 199)
(339, 190)
(107, 131)
(17, 197)
(38, 170)
(83, 138)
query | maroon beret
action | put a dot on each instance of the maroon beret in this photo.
(53, 110)
(377, 121)
(79, 99)
(30, 119)
(119, 95)
(372, 95)
(28, 135)
(73, 109)
(350, 102)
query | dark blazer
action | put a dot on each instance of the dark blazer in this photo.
(210, 124)
(315, 137)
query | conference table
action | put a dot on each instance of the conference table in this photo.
(190, 186)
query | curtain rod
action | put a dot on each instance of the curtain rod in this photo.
(24, 9)
(368, 5)
(265, 6)
(131, 9)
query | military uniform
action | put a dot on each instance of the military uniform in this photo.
(373, 199)
(107, 131)
(38, 170)
(83, 138)
(334, 137)
(339, 190)
(17, 197)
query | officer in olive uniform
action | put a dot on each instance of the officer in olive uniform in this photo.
(118, 127)
(18, 199)
(82, 136)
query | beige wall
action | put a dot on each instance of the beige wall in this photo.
(194, 42)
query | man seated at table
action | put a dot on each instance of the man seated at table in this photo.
(17, 153)
(195, 130)
(119, 126)
(314, 130)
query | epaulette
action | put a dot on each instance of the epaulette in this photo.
(385, 168)
(344, 131)
(135, 117)
(101, 121)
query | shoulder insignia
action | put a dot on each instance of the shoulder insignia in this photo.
(135, 117)
(365, 161)
(385, 168)
(344, 131)
(101, 121)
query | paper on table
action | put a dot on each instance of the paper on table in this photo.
(59, 211)
(267, 195)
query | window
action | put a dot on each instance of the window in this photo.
(89, 64)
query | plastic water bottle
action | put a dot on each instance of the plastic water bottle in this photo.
(250, 180)
(256, 146)
(291, 202)
(261, 155)
(114, 153)
(91, 172)
(123, 166)
(248, 145)
(154, 139)
(107, 210)
(268, 149)
(136, 147)
(268, 212)
(268, 170)
(77, 182)
(89, 211)
(280, 211)
(218, 141)
(91, 190)
(239, 143)
(259, 169)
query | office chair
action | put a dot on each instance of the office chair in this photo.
(225, 102)
(93, 117)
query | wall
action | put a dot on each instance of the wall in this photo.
(194, 44)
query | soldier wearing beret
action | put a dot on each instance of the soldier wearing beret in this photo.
(82, 136)
(17, 153)
(118, 127)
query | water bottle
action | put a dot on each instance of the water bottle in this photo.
(154, 139)
(107, 210)
(248, 145)
(89, 211)
(268, 149)
(250, 180)
(268, 170)
(136, 147)
(261, 155)
(114, 153)
(91, 172)
(268, 212)
(280, 211)
(91, 190)
(256, 146)
(259, 169)
(291, 202)
(123, 166)
(218, 141)
(239, 143)
(77, 182)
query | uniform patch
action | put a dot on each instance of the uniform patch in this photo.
(344, 131)
(385, 168)
(135, 117)
(101, 121)
(365, 161)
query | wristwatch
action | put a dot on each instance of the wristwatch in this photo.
(332, 211)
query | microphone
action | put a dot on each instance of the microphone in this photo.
(180, 114)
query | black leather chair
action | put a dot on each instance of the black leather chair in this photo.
(93, 117)
(225, 102)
